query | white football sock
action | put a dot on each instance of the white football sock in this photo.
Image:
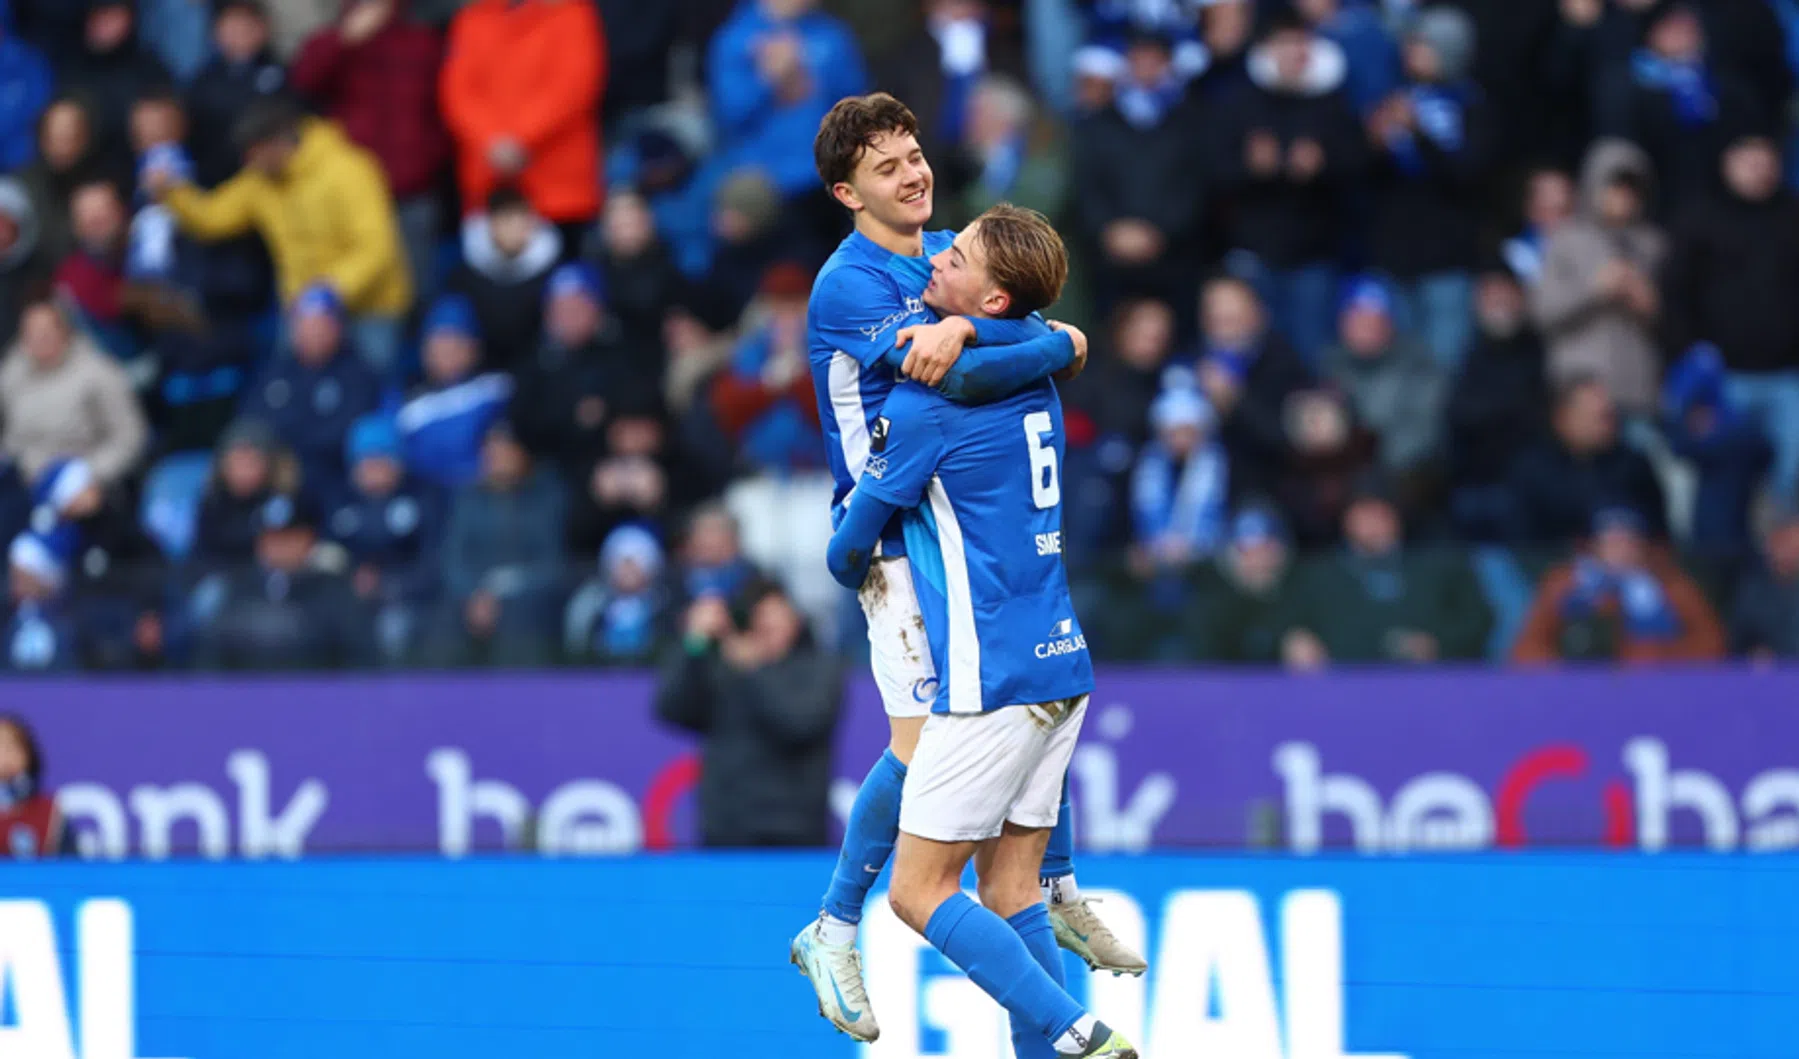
(1060, 890)
(1078, 1037)
(834, 931)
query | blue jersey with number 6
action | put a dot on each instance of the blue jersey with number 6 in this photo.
(986, 480)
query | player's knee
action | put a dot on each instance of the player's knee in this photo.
(1006, 897)
(912, 903)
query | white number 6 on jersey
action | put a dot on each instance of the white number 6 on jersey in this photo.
(1046, 482)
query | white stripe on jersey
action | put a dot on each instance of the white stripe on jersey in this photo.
(846, 408)
(964, 639)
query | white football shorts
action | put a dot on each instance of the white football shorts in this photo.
(974, 772)
(899, 653)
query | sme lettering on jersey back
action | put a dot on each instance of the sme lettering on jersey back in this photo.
(985, 484)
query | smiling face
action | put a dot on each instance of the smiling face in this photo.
(892, 184)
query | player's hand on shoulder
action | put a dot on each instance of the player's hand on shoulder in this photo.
(935, 348)
(1079, 364)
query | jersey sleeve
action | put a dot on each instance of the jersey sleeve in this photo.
(858, 311)
(905, 446)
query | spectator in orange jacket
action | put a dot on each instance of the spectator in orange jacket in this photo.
(1620, 600)
(521, 92)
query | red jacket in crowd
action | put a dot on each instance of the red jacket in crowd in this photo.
(383, 91)
(533, 73)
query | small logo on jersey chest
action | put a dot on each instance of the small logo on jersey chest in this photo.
(877, 434)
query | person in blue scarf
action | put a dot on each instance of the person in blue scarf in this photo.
(1180, 485)
(442, 424)
(619, 616)
(1432, 147)
(39, 634)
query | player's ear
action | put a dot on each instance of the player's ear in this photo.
(845, 194)
(996, 303)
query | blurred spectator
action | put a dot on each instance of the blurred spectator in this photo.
(502, 560)
(617, 616)
(640, 42)
(115, 571)
(764, 398)
(766, 702)
(67, 155)
(1497, 408)
(25, 263)
(1679, 101)
(1622, 600)
(1137, 186)
(1244, 595)
(248, 470)
(1249, 376)
(112, 69)
(391, 524)
(40, 633)
(773, 70)
(54, 27)
(311, 394)
(521, 91)
(1226, 27)
(288, 610)
(1289, 148)
(1120, 384)
(749, 238)
(1727, 448)
(94, 273)
(645, 282)
(61, 398)
(1394, 386)
(375, 72)
(1764, 622)
(1581, 464)
(1009, 155)
(1329, 452)
(1432, 146)
(241, 71)
(1372, 59)
(560, 403)
(1378, 601)
(29, 820)
(1178, 491)
(444, 421)
(633, 482)
(26, 80)
(321, 205)
(507, 255)
(177, 33)
(1549, 203)
(1597, 300)
(712, 562)
(1731, 274)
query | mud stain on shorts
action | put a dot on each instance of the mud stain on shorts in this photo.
(874, 589)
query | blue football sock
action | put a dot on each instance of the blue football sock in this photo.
(995, 958)
(1058, 856)
(1032, 925)
(868, 839)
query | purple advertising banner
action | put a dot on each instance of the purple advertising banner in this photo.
(576, 763)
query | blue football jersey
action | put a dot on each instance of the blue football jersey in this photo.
(863, 296)
(986, 480)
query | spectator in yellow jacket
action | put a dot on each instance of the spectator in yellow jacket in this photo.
(322, 206)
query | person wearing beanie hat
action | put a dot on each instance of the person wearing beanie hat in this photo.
(1496, 409)
(38, 633)
(563, 395)
(1179, 490)
(619, 616)
(508, 252)
(746, 210)
(1432, 138)
(1242, 601)
(391, 524)
(1730, 451)
(1395, 387)
(249, 466)
(443, 422)
(311, 395)
(286, 610)
(1621, 599)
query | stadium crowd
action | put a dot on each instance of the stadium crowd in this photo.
(447, 331)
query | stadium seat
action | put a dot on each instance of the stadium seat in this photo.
(171, 501)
